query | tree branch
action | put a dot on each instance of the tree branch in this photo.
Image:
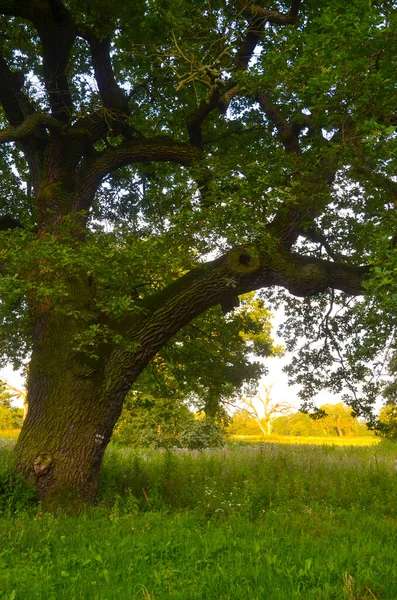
(14, 102)
(112, 95)
(162, 149)
(289, 135)
(57, 32)
(29, 126)
(17, 8)
(318, 238)
(257, 17)
(237, 272)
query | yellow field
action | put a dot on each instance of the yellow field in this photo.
(278, 439)
(296, 439)
(9, 433)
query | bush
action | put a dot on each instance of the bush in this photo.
(201, 434)
(163, 423)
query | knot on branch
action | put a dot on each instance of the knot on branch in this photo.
(242, 260)
(42, 464)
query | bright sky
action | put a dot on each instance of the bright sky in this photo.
(281, 391)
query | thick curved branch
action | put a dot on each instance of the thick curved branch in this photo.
(156, 149)
(94, 168)
(237, 272)
(112, 95)
(14, 102)
(28, 127)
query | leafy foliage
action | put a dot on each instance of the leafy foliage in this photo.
(148, 422)
(10, 416)
(337, 420)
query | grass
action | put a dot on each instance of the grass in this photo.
(262, 522)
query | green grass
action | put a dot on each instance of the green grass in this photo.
(266, 522)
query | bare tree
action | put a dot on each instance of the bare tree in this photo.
(263, 408)
(16, 393)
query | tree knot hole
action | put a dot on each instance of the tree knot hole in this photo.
(242, 260)
(42, 464)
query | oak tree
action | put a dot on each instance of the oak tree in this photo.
(161, 158)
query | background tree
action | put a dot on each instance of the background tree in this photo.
(298, 423)
(11, 417)
(242, 423)
(337, 420)
(263, 408)
(136, 141)
(388, 420)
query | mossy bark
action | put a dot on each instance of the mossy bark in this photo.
(68, 424)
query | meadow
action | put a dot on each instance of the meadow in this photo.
(259, 522)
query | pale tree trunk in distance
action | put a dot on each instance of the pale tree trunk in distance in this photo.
(16, 393)
(263, 409)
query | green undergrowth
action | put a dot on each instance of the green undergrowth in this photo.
(267, 522)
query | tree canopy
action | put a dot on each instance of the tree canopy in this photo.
(161, 158)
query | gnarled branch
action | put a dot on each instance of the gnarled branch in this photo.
(112, 95)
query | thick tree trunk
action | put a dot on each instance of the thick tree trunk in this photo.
(70, 417)
(63, 440)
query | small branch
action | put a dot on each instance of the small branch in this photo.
(257, 17)
(289, 135)
(318, 238)
(198, 117)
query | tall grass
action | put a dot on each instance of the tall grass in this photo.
(268, 522)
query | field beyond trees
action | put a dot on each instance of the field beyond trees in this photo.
(266, 521)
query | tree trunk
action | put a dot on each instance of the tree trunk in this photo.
(63, 439)
(70, 416)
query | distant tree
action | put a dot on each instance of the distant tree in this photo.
(388, 421)
(295, 424)
(339, 420)
(243, 424)
(16, 393)
(262, 408)
(10, 416)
